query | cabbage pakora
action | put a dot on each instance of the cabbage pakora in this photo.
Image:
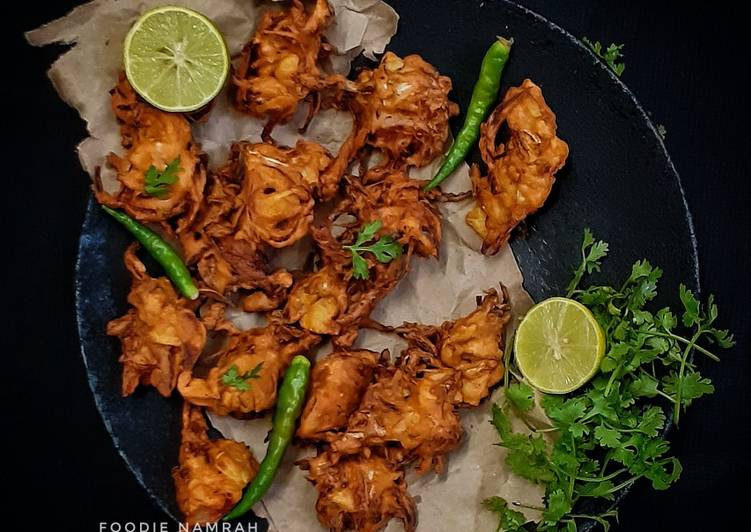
(211, 474)
(390, 196)
(279, 68)
(412, 410)
(521, 170)
(160, 334)
(261, 199)
(337, 384)
(154, 140)
(400, 108)
(359, 492)
(471, 346)
(244, 379)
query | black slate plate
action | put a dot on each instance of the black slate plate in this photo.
(619, 181)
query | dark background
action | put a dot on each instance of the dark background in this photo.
(686, 64)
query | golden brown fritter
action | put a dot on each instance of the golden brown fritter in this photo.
(412, 410)
(245, 377)
(359, 492)
(211, 474)
(278, 68)
(278, 189)
(160, 334)
(390, 196)
(337, 385)
(317, 300)
(153, 138)
(262, 198)
(472, 346)
(331, 301)
(520, 171)
(401, 108)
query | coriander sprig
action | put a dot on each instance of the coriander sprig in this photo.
(157, 183)
(385, 249)
(609, 433)
(233, 378)
(610, 55)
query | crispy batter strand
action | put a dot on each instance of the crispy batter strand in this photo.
(359, 492)
(337, 384)
(267, 350)
(153, 138)
(520, 171)
(211, 474)
(160, 334)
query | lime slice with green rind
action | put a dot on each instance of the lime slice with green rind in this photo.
(559, 345)
(176, 59)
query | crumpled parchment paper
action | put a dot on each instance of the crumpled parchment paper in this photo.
(434, 291)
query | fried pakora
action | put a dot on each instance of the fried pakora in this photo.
(160, 334)
(262, 198)
(246, 373)
(337, 385)
(412, 410)
(521, 170)
(471, 346)
(359, 492)
(154, 139)
(317, 301)
(400, 108)
(211, 474)
(390, 196)
(278, 68)
(278, 188)
(330, 300)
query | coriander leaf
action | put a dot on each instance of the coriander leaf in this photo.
(592, 253)
(232, 377)
(690, 387)
(500, 421)
(509, 520)
(530, 460)
(558, 505)
(385, 249)
(520, 395)
(359, 266)
(691, 315)
(564, 412)
(644, 386)
(651, 421)
(662, 477)
(607, 437)
(157, 183)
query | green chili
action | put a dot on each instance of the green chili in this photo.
(288, 408)
(162, 252)
(484, 95)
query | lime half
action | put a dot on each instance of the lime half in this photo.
(559, 345)
(176, 59)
